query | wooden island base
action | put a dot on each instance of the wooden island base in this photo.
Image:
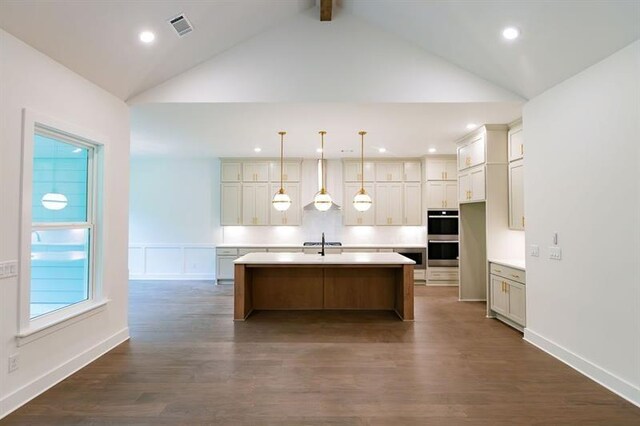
(316, 287)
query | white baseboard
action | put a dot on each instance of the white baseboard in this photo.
(31, 390)
(598, 374)
(172, 277)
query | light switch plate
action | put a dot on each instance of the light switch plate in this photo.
(534, 250)
(555, 253)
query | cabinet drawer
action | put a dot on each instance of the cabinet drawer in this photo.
(514, 274)
(244, 251)
(227, 251)
(442, 274)
(285, 250)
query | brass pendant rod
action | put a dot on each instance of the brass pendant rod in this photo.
(281, 158)
(362, 133)
(324, 175)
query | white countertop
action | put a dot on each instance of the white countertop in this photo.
(227, 245)
(329, 259)
(513, 263)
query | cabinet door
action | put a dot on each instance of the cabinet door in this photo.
(389, 172)
(412, 204)
(412, 171)
(450, 170)
(435, 194)
(477, 184)
(231, 204)
(291, 216)
(353, 216)
(435, 169)
(231, 172)
(471, 154)
(352, 171)
(255, 204)
(499, 295)
(255, 171)
(516, 304)
(396, 204)
(290, 171)
(464, 186)
(516, 143)
(225, 267)
(516, 195)
(450, 195)
(389, 204)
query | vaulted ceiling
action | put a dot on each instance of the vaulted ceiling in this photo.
(98, 39)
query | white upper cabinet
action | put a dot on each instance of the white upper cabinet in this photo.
(231, 172)
(353, 216)
(389, 204)
(412, 203)
(255, 171)
(516, 195)
(256, 202)
(471, 185)
(441, 169)
(472, 152)
(290, 173)
(516, 143)
(352, 171)
(389, 172)
(231, 204)
(412, 171)
(442, 195)
(292, 215)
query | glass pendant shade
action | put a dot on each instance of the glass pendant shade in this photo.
(281, 201)
(322, 201)
(54, 201)
(362, 201)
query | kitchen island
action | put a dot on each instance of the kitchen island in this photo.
(298, 281)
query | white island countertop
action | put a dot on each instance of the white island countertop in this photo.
(514, 263)
(329, 259)
(301, 246)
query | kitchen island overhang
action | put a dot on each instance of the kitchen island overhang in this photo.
(348, 281)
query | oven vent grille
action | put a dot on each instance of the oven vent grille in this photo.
(181, 24)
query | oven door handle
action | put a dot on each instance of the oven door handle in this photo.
(444, 241)
(442, 217)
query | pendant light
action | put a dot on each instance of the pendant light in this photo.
(281, 200)
(322, 200)
(362, 200)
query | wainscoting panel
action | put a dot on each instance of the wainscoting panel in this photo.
(172, 262)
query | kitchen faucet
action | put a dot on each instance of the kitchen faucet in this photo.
(321, 253)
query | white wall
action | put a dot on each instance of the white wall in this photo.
(583, 181)
(174, 218)
(31, 80)
(345, 60)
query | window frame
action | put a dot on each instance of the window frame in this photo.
(34, 123)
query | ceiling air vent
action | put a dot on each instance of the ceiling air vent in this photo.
(181, 24)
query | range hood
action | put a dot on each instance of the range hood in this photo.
(320, 173)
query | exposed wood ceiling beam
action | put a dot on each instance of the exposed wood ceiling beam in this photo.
(326, 7)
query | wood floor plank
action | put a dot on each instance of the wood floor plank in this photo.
(188, 363)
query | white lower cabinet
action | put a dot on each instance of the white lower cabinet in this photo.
(508, 294)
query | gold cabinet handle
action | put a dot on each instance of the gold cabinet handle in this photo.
(521, 149)
(498, 270)
(523, 221)
(445, 203)
(515, 276)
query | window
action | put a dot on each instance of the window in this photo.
(58, 254)
(62, 224)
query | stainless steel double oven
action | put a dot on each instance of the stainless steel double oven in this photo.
(442, 237)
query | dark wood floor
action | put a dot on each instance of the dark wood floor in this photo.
(188, 363)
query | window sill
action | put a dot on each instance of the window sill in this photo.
(45, 326)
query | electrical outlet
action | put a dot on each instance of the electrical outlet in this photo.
(8, 269)
(13, 363)
(555, 253)
(534, 250)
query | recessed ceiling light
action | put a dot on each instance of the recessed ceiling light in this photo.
(147, 36)
(381, 150)
(510, 33)
(257, 149)
(318, 150)
(432, 150)
(471, 126)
